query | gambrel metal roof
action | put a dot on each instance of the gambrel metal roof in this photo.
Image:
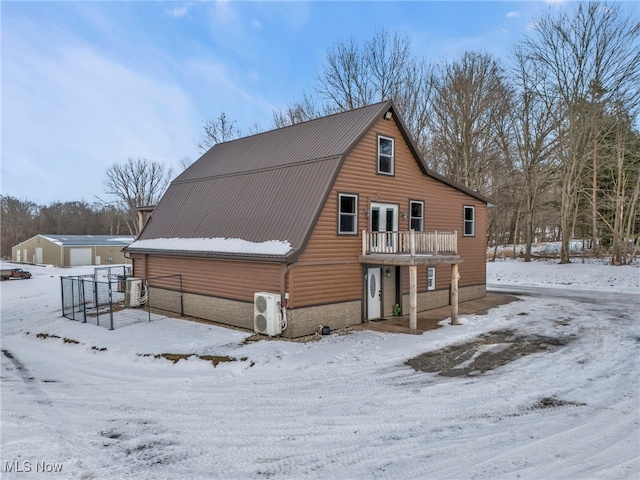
(265, 187)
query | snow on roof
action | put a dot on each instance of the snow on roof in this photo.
(218, 245)
(88, 240)
(53, 240)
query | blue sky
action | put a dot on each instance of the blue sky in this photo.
(89, 84)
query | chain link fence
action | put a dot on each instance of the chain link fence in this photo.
(112, 298)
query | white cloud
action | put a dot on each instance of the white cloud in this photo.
(179, 12)
(256, 23)
(69, 112)
(224, 12)
(513, 15)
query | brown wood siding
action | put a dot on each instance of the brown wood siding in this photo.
(443, 278)
(139, 262)
(237, 280)
(321, 275)
(320, 284)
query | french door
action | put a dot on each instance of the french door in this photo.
(384, 219)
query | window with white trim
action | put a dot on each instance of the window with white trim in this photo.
(347, 214)
(469, 221)
(416, 215)
(431, 278)
(385, 155)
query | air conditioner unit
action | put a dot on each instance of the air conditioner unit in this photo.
(266, 313)
(133, 292)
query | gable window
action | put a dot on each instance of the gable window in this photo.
(416, 215)
(431, 278)
(347, 213)
(469, 221)
(385, 155)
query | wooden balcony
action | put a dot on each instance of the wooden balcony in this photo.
(410, 243)
(413, 249)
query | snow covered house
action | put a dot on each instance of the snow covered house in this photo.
(72, 250)
(332, 222)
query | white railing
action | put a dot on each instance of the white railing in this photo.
(412, 243)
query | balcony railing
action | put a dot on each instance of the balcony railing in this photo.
(410, 243)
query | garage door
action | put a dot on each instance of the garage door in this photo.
(80, 256)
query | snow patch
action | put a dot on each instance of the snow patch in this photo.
(218, 245)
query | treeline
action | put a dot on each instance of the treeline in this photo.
(551, 133)
(23, 219)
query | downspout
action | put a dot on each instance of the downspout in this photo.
(284, 295)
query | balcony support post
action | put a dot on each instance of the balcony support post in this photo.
(454, 294)
(413, 299)
(412, 243)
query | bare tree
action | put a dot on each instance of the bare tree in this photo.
(217, 131)
(414, 99)
(136, 183)
(355, 75)
(389, 61)
(18, 222)
(345, 80)
(297, 112)
(184, 163)
(588, 57)
(532, 143)
(254, 129)
(618, 187)
(469, 110)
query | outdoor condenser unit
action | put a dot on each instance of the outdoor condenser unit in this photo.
(122, 283)
(133, 292)
(266, 313)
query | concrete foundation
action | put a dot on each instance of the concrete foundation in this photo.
(301, 321)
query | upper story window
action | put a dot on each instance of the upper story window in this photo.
(347, 213)
(385, 155)
(469, 221)
(416, 215)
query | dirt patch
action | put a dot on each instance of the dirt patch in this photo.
(552, 402)
(489, 351)
(214, 359)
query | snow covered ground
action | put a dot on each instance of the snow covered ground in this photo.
(590, 276)
(344, 407)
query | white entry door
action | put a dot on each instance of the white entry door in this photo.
(384, 218)
(374, 294)
(38, 254)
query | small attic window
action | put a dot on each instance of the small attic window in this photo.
(385, 155)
